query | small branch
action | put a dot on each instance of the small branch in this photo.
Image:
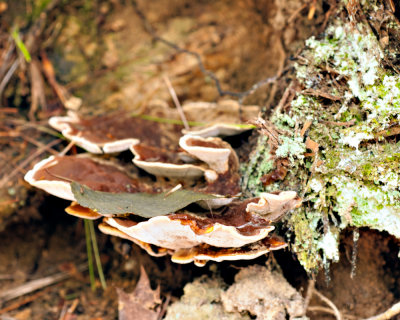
(310, 291)
(320, 93)
(27, 161)
(330, 304)
(330, 311)
(394, 310)
(34, 285)
(19, 303)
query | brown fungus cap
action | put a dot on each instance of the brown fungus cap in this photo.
(221, 118)
(213, 151)
(115, 132)
(203, 253)
(76, 210)
(55, 174)
(223, 183)
(164, 163)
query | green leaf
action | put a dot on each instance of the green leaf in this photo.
(145, 205)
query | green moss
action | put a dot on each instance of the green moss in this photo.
(306, 238)
(260, 164)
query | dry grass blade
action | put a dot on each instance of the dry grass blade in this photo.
(37, 89)
(177, 103)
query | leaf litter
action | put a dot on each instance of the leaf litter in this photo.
(143, 303)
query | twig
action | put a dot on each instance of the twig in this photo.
(320, 309)
(27, 161)
(310, 291)
(34, 285)
(320, 93)
(388, 314)
(296, 13)
(8, 76)
(38, 144)
(163, 310)
(329, 303)
(330, 311)
(177, 103)
(69, 146)
(18, 304)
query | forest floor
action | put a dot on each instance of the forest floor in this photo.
(106, 54)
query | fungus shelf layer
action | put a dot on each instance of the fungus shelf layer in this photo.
(200, 167)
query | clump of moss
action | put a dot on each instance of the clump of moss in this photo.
(353, 180)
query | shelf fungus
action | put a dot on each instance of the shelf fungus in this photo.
(233, 233)
(203, 253)
(195, 215)
(186, 230)
(221, 118)
(55, 174)
(116, 132)
(213, 151)
(166, 163)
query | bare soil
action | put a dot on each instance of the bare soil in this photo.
(119, 65)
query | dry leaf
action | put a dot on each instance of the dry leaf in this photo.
(141, 303)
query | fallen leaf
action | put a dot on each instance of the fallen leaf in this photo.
(146, 205)
(141, 303)
(312, 145)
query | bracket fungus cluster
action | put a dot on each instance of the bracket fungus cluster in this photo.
(192, 213)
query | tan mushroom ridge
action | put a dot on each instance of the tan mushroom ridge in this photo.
(225, 229)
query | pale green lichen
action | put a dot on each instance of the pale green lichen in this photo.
(292, 148)
(361, 205)
(329, 244)
(260, 164)
(357, 181)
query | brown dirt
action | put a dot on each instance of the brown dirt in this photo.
(374, 287)
(119, 66)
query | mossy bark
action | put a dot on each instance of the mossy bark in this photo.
(348, 89)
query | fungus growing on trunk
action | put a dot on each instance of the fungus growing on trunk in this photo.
(155, 215)
(213, 151)
(115, 132)
(203, 253)
(165, 163)
(55, 174)
(225, 118)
